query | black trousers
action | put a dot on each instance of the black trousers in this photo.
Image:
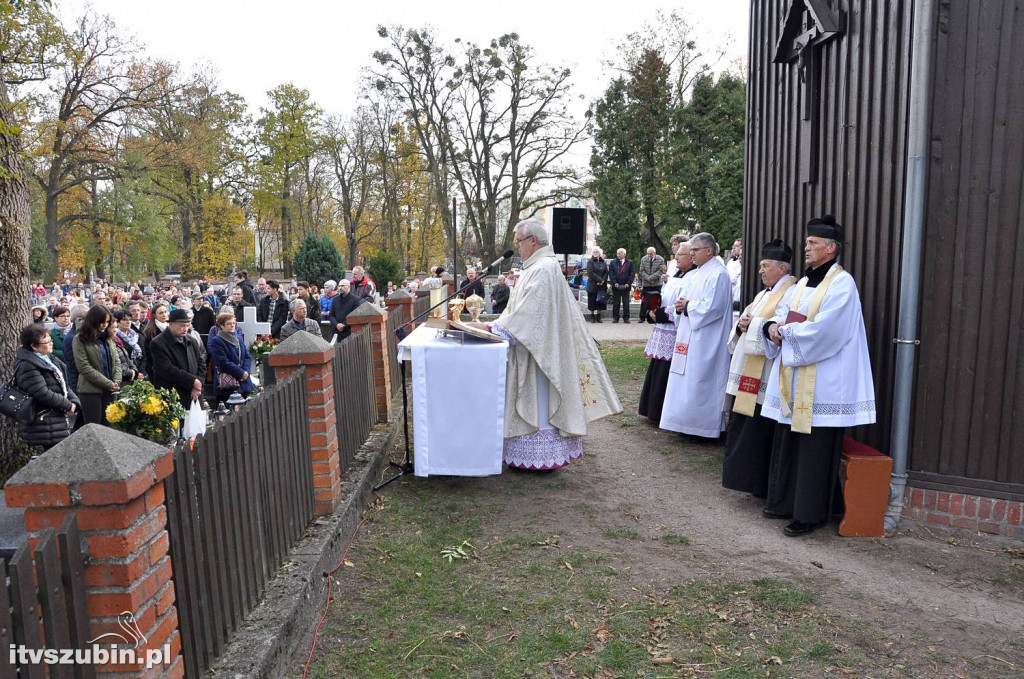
(94, 407)
(748, 453)
(804, 476)
(652, 396)
(620, 295)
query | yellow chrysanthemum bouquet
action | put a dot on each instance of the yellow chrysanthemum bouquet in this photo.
(147, 412)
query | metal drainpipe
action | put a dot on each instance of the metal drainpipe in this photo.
(906, 341)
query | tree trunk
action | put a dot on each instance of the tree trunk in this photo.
(14, 241)
(286, 226)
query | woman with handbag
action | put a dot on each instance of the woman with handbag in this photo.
(230, 358)
(597, 285)
(98, 364)
(43, 377)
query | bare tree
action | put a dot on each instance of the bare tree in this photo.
(350, 145)
(416, 72)
(492, 120)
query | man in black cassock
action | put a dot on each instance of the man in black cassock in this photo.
(748, 443)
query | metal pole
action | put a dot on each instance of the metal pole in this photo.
(910, 273)
(455, 249)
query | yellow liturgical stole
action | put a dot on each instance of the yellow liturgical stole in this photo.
(806, 376)
(753, 366)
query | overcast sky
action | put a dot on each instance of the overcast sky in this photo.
(321, 45)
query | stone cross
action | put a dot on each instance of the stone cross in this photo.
(250, 327)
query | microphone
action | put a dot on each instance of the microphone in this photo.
(487, 269)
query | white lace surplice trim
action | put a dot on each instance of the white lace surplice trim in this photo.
(544, 449)
(661, 342)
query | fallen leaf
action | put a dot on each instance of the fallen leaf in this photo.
(348, 563)
(817, 564)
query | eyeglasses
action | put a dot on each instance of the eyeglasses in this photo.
(44, 341)
(520, 240)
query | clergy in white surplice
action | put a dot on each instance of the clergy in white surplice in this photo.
(821, 382)
(556, 381)
(748, 441)
(695, 396)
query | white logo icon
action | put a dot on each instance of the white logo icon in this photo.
(127, 622)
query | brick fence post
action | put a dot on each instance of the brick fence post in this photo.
(307, 350)
(370, 318)
(403, 299)
(114, 482)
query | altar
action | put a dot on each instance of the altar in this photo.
(458, 397)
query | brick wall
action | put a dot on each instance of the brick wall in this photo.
(959, 510)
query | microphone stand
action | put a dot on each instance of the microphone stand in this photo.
(406, 466)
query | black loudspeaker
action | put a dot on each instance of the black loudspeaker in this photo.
(569, 230)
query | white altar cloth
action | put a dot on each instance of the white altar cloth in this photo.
(458, 395)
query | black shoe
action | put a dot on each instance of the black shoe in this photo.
(625, 320)
(615, 320)
(799, 528)
(771, 514)
(599, 319)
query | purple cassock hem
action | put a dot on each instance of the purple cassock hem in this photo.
(544, 449)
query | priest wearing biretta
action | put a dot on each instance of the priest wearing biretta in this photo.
(821, 382)
(748, 443)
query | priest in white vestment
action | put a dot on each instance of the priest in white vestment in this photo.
(821, 384)
(556, 381)
(695, 396)
(748, 441)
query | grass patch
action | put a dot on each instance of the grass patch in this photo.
(625, 363)
(622, 533)
(673, 539)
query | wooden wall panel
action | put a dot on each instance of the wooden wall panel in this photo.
(967, 419)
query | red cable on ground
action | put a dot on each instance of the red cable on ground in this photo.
(327, 608)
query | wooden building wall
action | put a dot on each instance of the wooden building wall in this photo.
(862, 150)
(969, 402)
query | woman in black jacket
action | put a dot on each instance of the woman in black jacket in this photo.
(597, 281)
(43, 377)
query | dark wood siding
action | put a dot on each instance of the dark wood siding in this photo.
(969, 409)
(863, 122)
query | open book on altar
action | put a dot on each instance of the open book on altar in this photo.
(444, 324)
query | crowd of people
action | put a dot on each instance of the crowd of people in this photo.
(85, 342)
(620, 279)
